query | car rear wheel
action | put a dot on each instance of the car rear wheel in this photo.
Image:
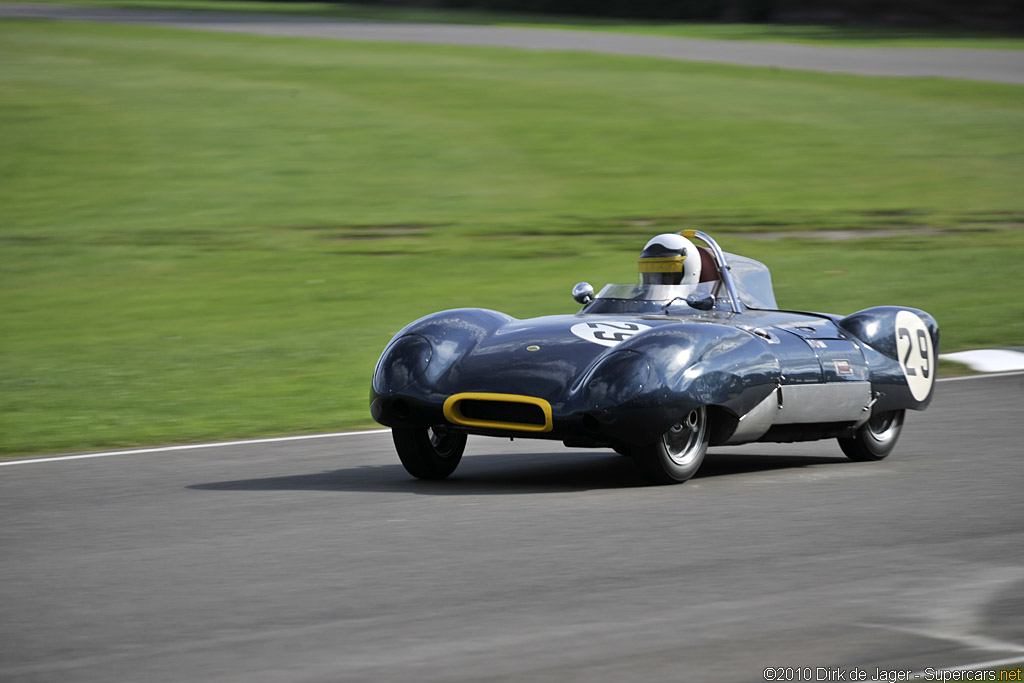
(677, 455)
(431, 453)
(875, 438)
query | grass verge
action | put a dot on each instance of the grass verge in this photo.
(210, 237)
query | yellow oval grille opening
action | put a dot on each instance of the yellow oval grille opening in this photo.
(499, 411)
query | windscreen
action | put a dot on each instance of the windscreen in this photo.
(752, 279)
(641, 298)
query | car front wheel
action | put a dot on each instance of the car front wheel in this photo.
(677, 455)
(875, 438)
(431, 453)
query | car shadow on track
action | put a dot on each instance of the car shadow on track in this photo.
(515, 474)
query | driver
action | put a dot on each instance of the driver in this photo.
(669, 259)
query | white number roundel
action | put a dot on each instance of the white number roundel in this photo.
(915, 353)
(607, 333)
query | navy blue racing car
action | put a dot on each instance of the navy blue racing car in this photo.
(696, 354)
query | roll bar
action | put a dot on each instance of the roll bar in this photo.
(723, 267)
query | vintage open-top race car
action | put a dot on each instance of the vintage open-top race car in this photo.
(695, 355)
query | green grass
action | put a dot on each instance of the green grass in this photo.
(211, 236)
(812, 34)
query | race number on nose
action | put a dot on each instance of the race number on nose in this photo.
(608, 333)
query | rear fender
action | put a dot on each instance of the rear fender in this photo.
(903, 354)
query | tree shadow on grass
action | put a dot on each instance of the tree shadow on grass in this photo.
(514, 474)
(866, 27)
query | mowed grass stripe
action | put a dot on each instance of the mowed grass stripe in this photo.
(211, 237)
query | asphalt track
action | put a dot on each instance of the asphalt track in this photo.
(1006, 66)
(321, 560)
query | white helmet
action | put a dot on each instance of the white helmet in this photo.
(669, 259)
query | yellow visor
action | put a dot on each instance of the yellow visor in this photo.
(672, 264)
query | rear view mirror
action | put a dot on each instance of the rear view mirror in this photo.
(583, 292)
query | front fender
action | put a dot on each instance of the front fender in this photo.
(709, 364)
(449, 335)
(691, 365)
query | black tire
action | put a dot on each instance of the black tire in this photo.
(431, 453)
(875, 438)
(677, 455)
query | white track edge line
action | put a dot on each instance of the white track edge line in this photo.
(1007, 373)
(303, 437)
(936, 676)
(192, 447)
